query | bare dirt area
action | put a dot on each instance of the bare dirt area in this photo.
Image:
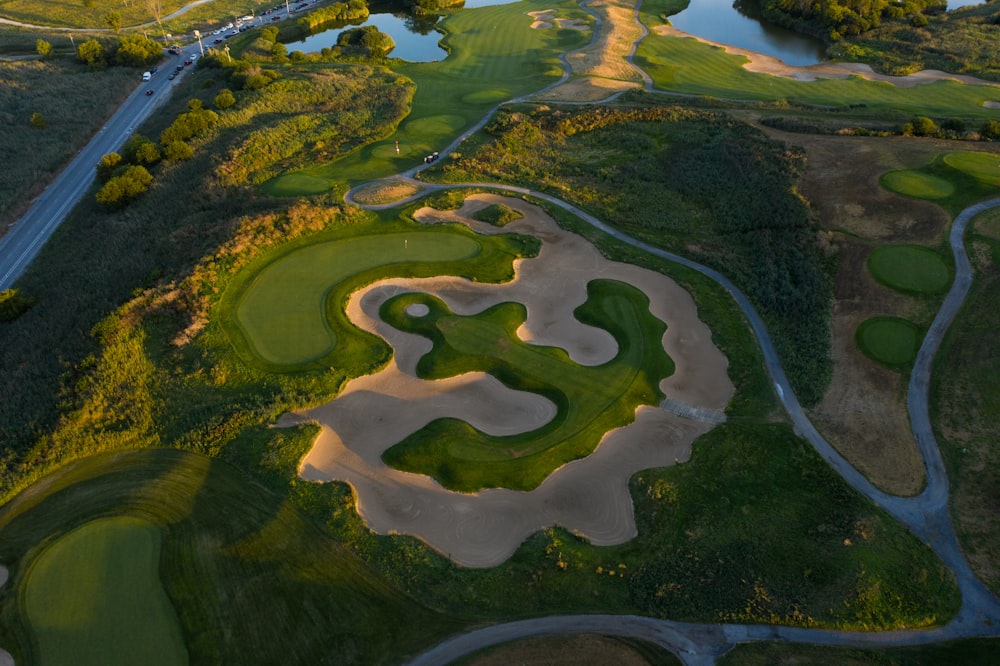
(588, 89)
(764, 64)
(587, 496)
(863, 413)
(561, 651)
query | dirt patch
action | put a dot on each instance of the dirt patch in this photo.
(384, 192)
(588, 496)
(561, 651)
(586, 89)
(764, 64)
(606, 56)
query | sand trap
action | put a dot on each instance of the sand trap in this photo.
(764, 64)
(417, 310)
(588, 496)
(991, 105)
(546, 18)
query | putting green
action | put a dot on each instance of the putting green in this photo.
(94, 597)
(591, 400)
(434, 125)
(982, 166)
(889, 340)
(917, 184)
(911, 268)
(283, 312)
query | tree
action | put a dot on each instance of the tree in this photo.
(155, 8)
(137, 51)
(924, 126)
(224, 99)
(124, 188)
(44, 48)
(107, 166)
(990, 130)
(92, 52)
(113, 20)
(147, 153)
(37, 120)
(13, 304)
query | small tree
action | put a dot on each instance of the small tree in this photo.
(37, 120)
(113, 20)
(106, 167)
(92, 53)
(924, 126)
(990, 130)
(124, 188)
(224, 99)
(13, 304)
(44, 48)
(147, 153)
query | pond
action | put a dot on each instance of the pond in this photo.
(415, 36)
(719, 21)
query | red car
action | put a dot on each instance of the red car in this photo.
(149, 93)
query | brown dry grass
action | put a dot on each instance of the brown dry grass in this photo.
(385, 192)
(616, 33)
(863, 413)
(586, 90)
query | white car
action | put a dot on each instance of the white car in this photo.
(192, 57)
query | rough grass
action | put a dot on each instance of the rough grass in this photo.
(592, 400)
(94, 597)
(91, 14)
(953, 653)
(484, 66)
(917, 184)
(910, 268)
(73, 101)
(891, 341)
(965, 404)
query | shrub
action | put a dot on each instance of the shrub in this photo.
(990, 130)
(107, 166)
(124, 188)
(37, 120)
(178, 151)
(13, 304)
(224, 99)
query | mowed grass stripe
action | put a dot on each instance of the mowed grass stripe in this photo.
(94, 597)
(686, 65)
(284, 311)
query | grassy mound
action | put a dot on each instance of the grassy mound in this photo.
(917, 184)
(94, 597)
(592, 400)
(984, 167)
(890, 341)
(286, 313)
(910, 268)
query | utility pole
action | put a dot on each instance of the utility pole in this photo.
(197, 33)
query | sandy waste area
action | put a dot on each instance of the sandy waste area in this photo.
(587, 496)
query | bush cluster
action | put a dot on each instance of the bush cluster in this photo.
(127, 50)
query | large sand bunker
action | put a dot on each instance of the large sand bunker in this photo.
(588, 496)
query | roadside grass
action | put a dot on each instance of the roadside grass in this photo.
(951, 653)
(485, 65)
(891, 341)
(94, 596)
(250, 578)
(91, 14)
(911, 269)
(917, 184)
(965, 406)
(685, 65)
(285, 312)
(73, 102)
(591, 400)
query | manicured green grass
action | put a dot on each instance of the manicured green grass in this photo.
(494, 56)
(917, 184)
(94, 597)
(984, 167)
(889, 340)
(910, 268)
(251, 580)
(592, 400)
(685, 65)
(285, 312)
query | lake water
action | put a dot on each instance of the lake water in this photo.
(719, 21)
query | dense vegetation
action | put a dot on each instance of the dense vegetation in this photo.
(831, 19)
(703, 184)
